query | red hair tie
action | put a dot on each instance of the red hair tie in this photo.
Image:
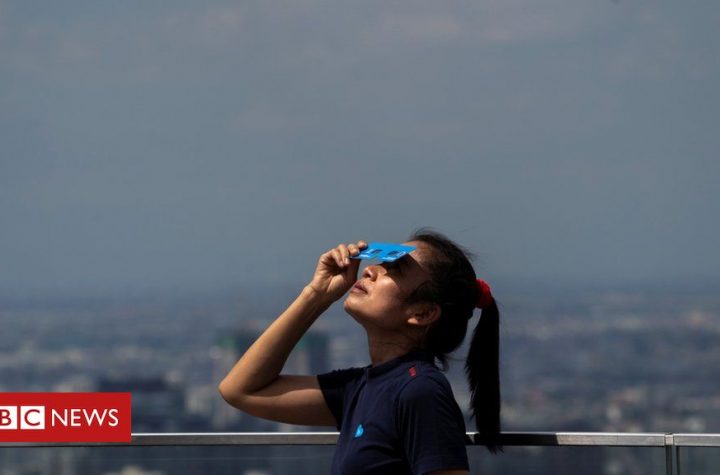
(485, 297)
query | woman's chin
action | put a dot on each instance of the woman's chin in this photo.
(350, 302)
(354, 311)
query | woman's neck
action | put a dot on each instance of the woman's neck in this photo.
(386, 349)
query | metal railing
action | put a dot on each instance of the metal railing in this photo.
(671, 442)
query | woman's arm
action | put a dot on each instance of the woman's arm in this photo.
(254, 385)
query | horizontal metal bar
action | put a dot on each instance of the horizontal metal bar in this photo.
(615, 439)
(238, 438)
(201, 438)
(697, 440)
(605, 439)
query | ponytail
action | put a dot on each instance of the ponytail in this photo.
(454, 286)
(483, 372)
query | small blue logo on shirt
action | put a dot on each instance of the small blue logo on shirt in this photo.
(359, 431)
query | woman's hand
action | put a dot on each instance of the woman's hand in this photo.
(336, 272)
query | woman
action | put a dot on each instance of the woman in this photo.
(397, 415)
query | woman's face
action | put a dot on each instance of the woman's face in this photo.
(378, 296)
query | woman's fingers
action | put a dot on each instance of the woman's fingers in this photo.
(342, 253)
(336, 272)
(337, 256)
(327, 258)
(353, 250)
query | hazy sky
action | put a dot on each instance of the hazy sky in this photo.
(209, 144)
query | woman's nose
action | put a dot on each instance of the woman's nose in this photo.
(370, 272)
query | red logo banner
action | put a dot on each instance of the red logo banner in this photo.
(65, 417)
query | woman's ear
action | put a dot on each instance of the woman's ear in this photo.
(423, 313)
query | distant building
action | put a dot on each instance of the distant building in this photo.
(157, 405)
(310, 356)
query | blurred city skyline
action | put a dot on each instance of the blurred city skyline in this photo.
(218, 145)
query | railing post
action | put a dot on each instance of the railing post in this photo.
(672, 465)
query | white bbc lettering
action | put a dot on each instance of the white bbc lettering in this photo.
(113, 415)
(22, 417)
(75, 414)
(55, 416)
(68, 417)
(32, 417)
(8, 417)
(95, 415)
(83, 418)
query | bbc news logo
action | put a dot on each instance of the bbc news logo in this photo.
(65, 417)
(31, 417)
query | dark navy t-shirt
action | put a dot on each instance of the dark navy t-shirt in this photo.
(399, 417)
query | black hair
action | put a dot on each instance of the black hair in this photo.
(454, 288)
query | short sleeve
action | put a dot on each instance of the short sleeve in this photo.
(334, 387)
(431, 426)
